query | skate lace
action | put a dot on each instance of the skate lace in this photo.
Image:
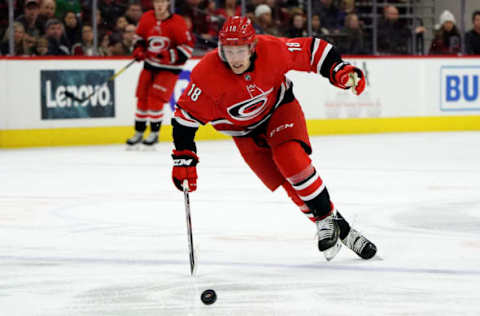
(357, 242)
(325, 228)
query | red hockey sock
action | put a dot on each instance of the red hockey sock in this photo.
(295, 165)
(292, 194)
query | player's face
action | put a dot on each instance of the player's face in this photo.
(238, 58)
(161, 6)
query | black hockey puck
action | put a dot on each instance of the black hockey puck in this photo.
(208, 297)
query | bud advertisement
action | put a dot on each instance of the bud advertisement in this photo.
(77, 94)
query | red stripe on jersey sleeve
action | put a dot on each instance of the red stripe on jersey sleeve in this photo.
(318, 54)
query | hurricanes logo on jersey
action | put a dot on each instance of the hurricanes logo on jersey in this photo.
(157, 44)
(247, 110)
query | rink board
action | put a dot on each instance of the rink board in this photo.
(402, 95)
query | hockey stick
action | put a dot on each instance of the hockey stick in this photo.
(189, 227)
(70, 95)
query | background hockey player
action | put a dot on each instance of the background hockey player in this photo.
(241, 90)
(164, 44)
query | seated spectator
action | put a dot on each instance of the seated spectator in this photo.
(57, 44)
(64, 6)
(447, 38)
(104, 44)
(263, 21)
(73, 29)
(229, 8)
(47, 11)
(205, 30)
(48, 8)
(110, 10)
(19, 33)
(85, 47)
(329, 14)
(29, 43)
(102, 25)
(472, 38)
(120, 24)
(353, 43)
(297, 25)
(29, 18)
(393, 36)
(129, 38)
(317, 29)
(116, 48)
(41, 49)
(133, 13)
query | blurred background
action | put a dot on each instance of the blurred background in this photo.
(356, 27)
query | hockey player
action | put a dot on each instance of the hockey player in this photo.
(241, 90)
(164, 43)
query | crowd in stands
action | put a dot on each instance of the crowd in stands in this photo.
(63, 27)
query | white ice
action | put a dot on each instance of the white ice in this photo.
(101, 231)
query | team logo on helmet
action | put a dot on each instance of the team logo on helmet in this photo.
(157, 44)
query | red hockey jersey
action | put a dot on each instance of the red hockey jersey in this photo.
(237, 104)
(163, 35)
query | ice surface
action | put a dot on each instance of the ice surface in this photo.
(101, 231)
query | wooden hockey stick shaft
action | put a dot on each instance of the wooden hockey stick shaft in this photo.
(191, 249)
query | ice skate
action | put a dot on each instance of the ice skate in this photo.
(328, 236)
(135, 140)
(151, 140)
(363, 247)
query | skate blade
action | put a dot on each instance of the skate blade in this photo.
(135, 147)
(149, 147)
(331, 252)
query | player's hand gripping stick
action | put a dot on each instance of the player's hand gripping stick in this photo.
(184, 169)
(346, 76)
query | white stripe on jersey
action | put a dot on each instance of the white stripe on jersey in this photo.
(315, 48)
(324, 55)
(186, 50)
(184, 122)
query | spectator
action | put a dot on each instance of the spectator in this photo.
(29, 18)
(128, 39)
(329, 14)
(29, 43)
(120, 25)
(110, 10)
(297, 25)
(41, 49)
(65, 6)
(19, 33)
(57, 44)
(317, 29)
(47, 9)
(73, 29)
(116, 46)
(472, 38)
(263, 21)
(102, 25)
(85, 47)
(447, 38)
(393, 36)
(103, 48)
(230, 8)
(353, 42)
(133, 13)
(203, 28)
